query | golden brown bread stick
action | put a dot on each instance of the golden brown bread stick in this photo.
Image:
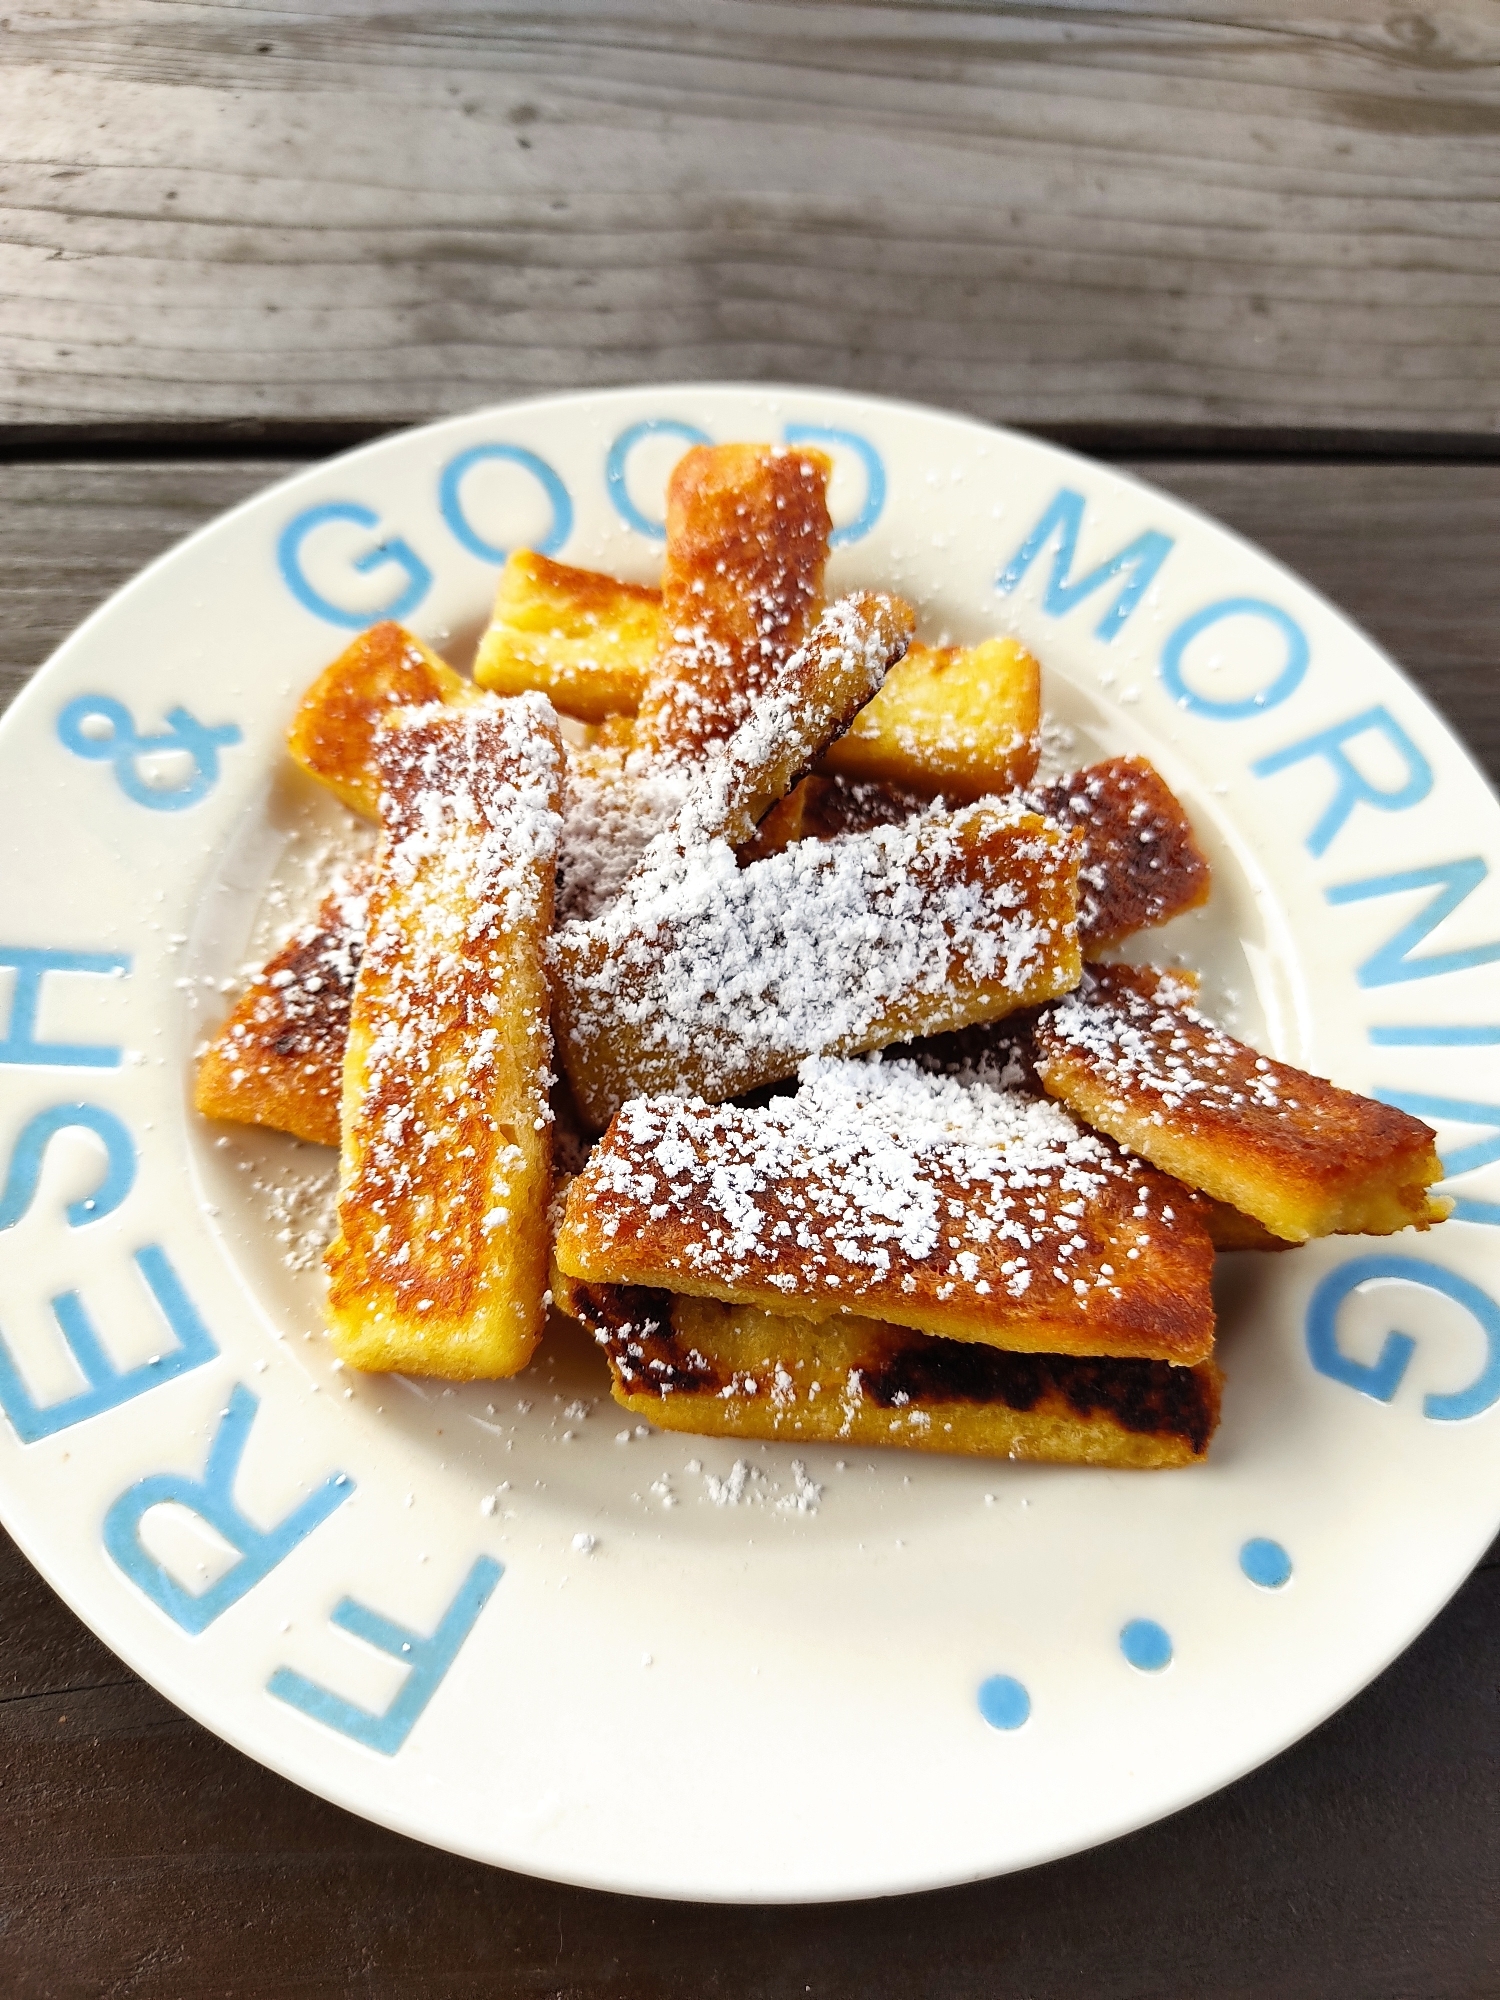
(439, 1267)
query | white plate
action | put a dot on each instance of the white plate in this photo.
(782, 1695)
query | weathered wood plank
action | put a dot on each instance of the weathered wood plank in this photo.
(70, 535)
(1103, 216)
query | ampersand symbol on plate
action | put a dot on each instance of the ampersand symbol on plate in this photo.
(99, 727)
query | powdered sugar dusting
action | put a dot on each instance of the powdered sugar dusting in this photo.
(639, 806)
(614, 807)
(880, 1181)
(300, 1209)
(749, 1485)
(805, 700)
(1159, 1045)
(730, 975)
(449, 1022)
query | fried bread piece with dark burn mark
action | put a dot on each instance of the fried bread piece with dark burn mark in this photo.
(279, 1058)
(333, 732)
(742, 586)
(440, 1263)
(688, 1364)
(882, 1190)
(1141, 865)
(1294, 1152)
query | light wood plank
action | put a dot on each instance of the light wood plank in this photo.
(1058, 215)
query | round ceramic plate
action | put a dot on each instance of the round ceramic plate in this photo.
(500, 1617)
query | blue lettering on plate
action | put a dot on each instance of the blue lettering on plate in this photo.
(450, 499)
(31, 965)
(1382, 1377)
(211, 1498)
(389, 551)
(1441, 1035)
(116, 741)
(1354, 788)
(1286, 683)
(874, 465)
(1137, 564)
(108, 1386)
(1466, 1209)
(617, 468)
(1392, 962)
(25, 1171)
(428, 1659)
(1464, 1159)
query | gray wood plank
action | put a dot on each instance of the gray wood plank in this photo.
(1083, 217)
(70, 535)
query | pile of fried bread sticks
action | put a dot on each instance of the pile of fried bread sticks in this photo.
(858, 1134)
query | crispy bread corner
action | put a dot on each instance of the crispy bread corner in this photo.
(332, 734)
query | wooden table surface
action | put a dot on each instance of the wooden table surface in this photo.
(1253, 253)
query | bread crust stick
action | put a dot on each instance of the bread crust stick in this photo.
(439, 1266)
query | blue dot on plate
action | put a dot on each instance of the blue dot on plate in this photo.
(1266, 1563)
(1003, 1702)
(1146, 1645)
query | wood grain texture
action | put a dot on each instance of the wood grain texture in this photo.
(1088, 217)
(139, 1856)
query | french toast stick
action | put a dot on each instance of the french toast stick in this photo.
(333, 732)
(960, 720)
(742, 586)
(720, 979)
(1139, 863)
(690, 1364)
(279, 1058)
(1297, 1154)
(587, 641)
(440, 1263)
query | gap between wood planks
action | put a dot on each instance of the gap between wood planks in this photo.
(60, 444)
